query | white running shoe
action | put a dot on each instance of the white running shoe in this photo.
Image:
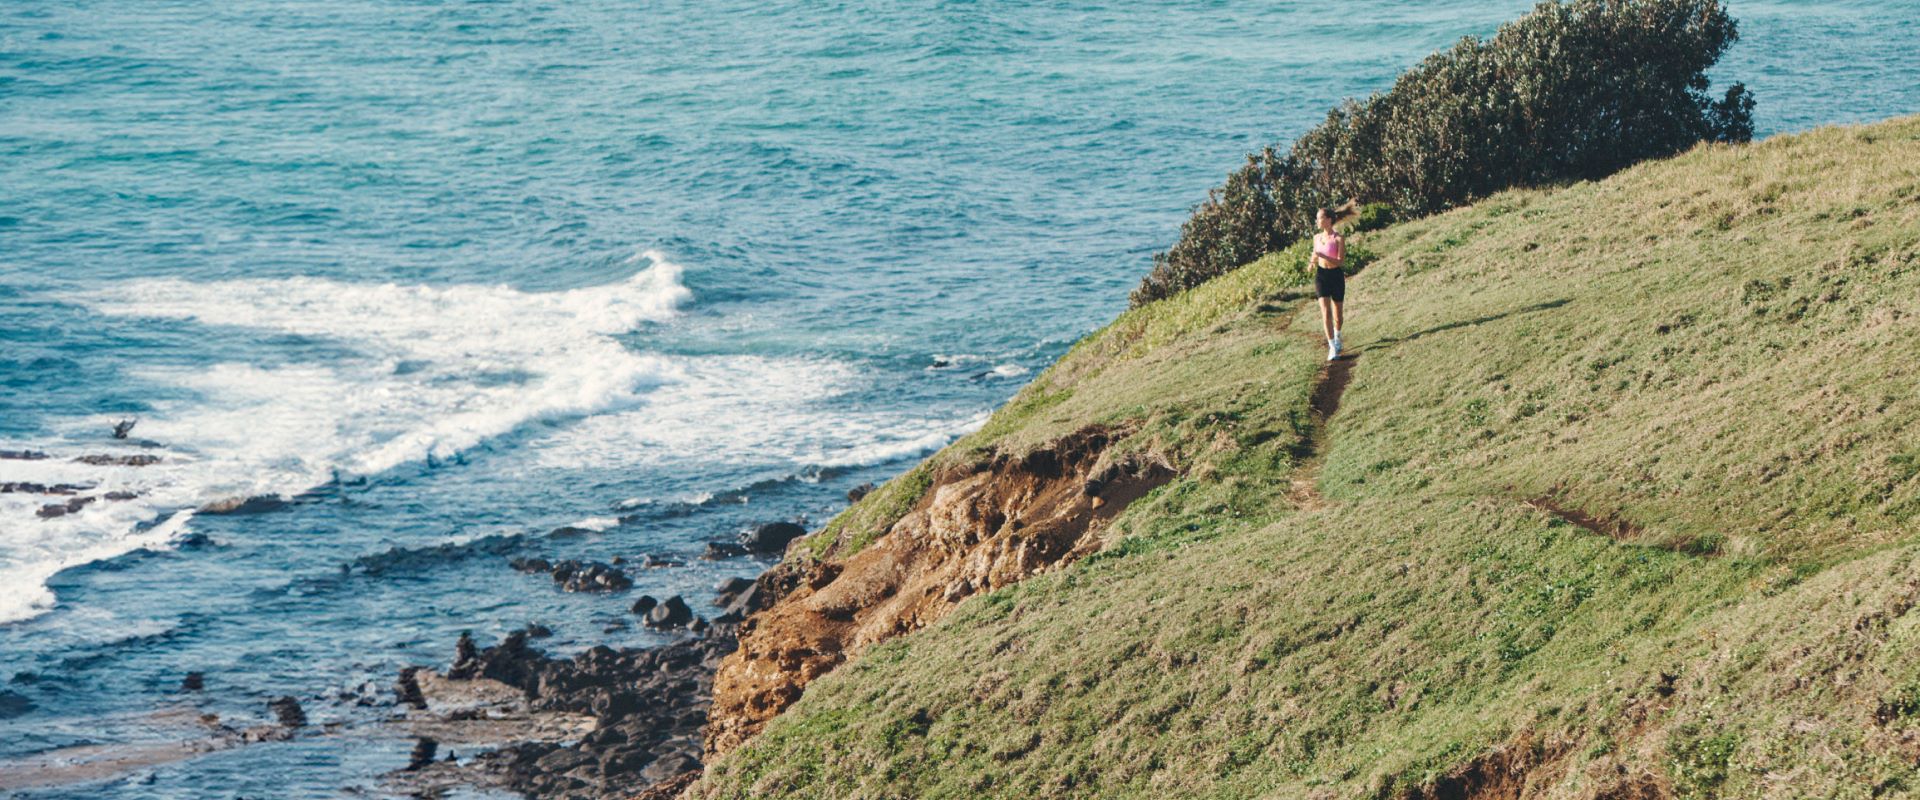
(1332, 351)
(1336, 344)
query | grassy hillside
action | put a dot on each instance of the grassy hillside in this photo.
(1620, 501)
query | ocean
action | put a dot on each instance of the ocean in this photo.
(450, 276)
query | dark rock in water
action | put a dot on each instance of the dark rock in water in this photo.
(649, 706)
(717, 551)
(590, 576)
(25, 678)
(195, 540)
(244, 505)
(727, 590)
(566, 531)
(672, 613)
(193, 682)
(423, 751)
(287, 710)
(530, 564)
(108, 460)
(422, 559)
(669, 767)
(118, 496)
(644, 604)
(51, 510)
(464, 651)
(22, 455)
(656, 562)
(854, 494)
(408, 688)
(771, 537)
(536, 630)
(124, 427)
(13, 704)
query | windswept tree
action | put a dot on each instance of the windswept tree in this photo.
(1574, 90)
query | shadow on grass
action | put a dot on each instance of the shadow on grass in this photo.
(1468, 323)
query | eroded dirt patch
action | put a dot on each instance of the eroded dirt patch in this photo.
(980, 527)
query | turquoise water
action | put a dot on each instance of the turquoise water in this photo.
(454, 274)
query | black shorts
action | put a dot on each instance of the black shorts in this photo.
(1331, 284)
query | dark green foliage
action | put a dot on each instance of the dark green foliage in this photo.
(1574, 90)
(1374, 216)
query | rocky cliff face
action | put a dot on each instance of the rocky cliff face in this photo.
(979, 527)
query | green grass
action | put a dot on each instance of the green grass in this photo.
(1718, 351)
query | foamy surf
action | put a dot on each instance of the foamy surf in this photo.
(423, 374)
(431, 372)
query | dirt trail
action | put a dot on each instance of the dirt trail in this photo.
(1322, 405)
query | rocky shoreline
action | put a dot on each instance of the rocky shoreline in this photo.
(602, 724)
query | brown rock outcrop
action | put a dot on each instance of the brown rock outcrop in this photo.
(979, 527)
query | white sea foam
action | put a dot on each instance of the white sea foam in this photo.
(423, 374)
(433, 371)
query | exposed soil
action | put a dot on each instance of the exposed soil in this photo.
(979, 527)
(1502, 773)
(1304, 488)
(1610, 525)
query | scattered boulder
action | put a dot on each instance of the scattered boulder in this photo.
(566, 531)
(423, 752)
(590, 576)
(720, 551)
(22, 455)
(644, 604)
(530, 564)
(856, 493)
(672, 613)
(13, 704)
(728, 589)
(408, 687)
(287, 711)
(119, 496)
(536, 630)
(193, 682)
(771, 537)
(244, 505)
(656, 562)
(109, 460)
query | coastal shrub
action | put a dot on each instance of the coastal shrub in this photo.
(1574, 90)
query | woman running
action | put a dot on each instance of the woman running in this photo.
(1329, 283)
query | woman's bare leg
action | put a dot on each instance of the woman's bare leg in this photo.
(1327, 325)
(1338, 316)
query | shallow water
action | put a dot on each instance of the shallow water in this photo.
(457, 274)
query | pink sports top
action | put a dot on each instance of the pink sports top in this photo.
(1330, 247)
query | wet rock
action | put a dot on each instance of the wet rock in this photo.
(530, 565)
(193, 682)
(120, 496)
(109, 460)
(590, 576)
(408, 688)
(771, 537)
(669, 767)
(194, 540)
(51, 510)
(287, 711)
(672, 613)
(423, 752)
(656, 562)
(566, 531)
(648, 704)
(718, 551)
(856, 493)
(22, 455)
(727, 590)
(536, 630)
(644, 604)
(13, 704)
(244, 505)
